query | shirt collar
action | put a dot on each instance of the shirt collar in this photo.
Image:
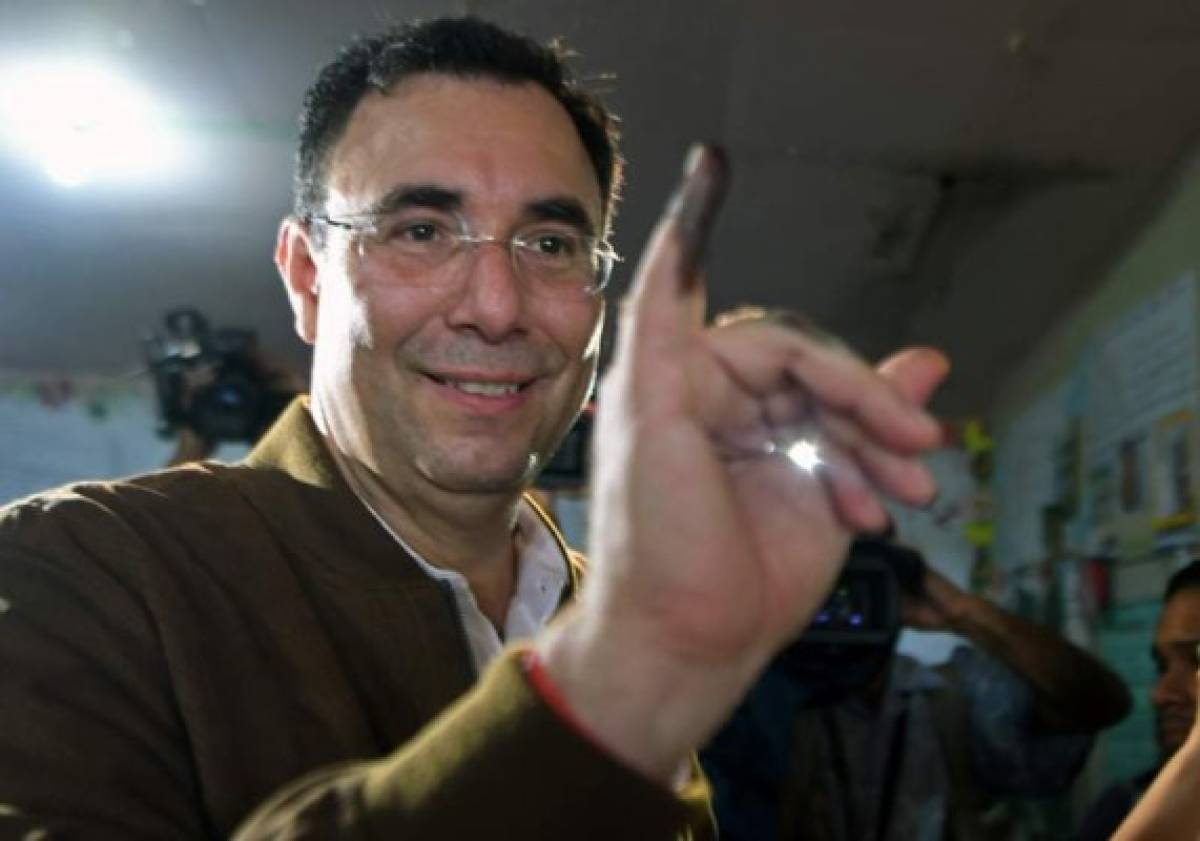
(547, 573)
(543, 577)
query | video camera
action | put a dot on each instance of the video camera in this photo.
(210, 380)
(853, 634)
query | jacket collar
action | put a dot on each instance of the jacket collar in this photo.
(293, 448)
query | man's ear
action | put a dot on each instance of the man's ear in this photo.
(298, 267)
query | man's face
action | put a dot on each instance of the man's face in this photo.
(416, 381)
(1174, 693)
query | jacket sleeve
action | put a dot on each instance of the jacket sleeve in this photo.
(498, 762)
(91, 745)
(1010, 752)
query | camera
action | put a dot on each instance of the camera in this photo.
(851, 637)
(864, 607)
(210, 380)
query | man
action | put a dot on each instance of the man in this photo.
(1173, 698)
(312, 644)
(914, 752)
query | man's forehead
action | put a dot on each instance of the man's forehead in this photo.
(479, 137)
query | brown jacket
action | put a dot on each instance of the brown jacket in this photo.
(182, 649)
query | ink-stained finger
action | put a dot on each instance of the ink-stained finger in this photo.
(695, 208)
(666, 301)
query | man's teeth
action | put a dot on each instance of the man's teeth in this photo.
(486, 389)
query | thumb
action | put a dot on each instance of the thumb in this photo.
(915, 373)
(666, 301)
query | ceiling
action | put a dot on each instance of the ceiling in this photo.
(933, 171)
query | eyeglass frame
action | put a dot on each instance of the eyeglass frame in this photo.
(367, 223)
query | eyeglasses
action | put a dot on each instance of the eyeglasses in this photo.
(420, 248)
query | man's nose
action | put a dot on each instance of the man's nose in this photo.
(492, 299)
(1173, 686)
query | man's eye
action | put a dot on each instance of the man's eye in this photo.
(554, 245)
(418, 232)
(410, 232)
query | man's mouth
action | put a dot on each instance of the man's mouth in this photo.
(482, 388)
(1173, 726)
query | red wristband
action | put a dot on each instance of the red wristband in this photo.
(535, 671)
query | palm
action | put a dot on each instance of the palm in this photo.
(742, 549)
(799, 542)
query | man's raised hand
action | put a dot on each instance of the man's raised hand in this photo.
(711, 548)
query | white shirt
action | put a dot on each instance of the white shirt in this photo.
(542, 576)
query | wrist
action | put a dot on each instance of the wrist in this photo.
(644, 706)
(544, 685)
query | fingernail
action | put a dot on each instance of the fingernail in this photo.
(695, 206)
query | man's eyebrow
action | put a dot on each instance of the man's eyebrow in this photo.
(418, 195)
(562, 209)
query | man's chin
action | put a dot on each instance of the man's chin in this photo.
(511, 477)
(1171, 738)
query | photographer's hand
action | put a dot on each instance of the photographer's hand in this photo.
(190, 444)
(938, 607)
(709, 553)
(1076, 692)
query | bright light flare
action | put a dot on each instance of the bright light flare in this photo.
(83, 122)
(805, 455)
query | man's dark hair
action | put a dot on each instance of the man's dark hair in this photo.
(466, 47)
(1186, 578)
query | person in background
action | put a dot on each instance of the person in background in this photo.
(1173, 697)
(347, 635)
(1169, 809)
(270, 377)
(911, 751)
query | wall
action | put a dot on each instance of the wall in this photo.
(55, 430)
(1036, 407)
(1165, 249)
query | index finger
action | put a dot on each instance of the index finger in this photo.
(706, 182)
(667, 294)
